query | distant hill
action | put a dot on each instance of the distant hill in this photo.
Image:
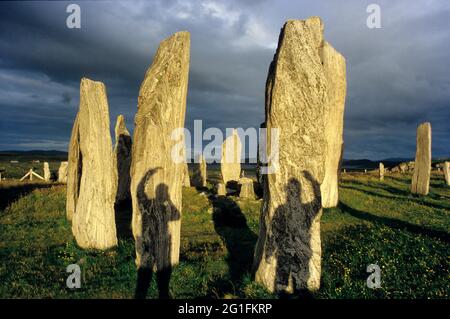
(33, 155)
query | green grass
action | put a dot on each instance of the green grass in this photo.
(376, 222)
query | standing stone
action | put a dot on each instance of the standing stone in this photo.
(186, 178)
(199, 174)
(221, 189)
(420, 183)
(447, 172)
(246, 188)
(335, 73)
(381, 171)
(122, 151)
(62, 173)
(93, 223)
(156, 177)
(47, 173)
(230, 164)
(288, 251)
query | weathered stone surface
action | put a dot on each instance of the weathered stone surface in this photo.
(93, 223)
(288, 251)
(335, 74)
(381, 171)
(62, 172)
(186, 177)
(47, 174)
(246, 188)
(420, 182)
(199, 174)
(73, 170)
(221, 189)
(156, 178)
(230, 164)
(447, 172)
(122, 151)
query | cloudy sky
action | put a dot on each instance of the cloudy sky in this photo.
(398, 75)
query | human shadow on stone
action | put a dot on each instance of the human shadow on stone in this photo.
(290, 240)
(395, 223)
(231, 225)
(154, 246)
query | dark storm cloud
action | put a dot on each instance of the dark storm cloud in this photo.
(397, 75)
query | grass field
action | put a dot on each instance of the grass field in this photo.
(376, 223)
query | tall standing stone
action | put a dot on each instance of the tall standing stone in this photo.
(288, 251)
(230, 164)
(199, 173)
(122, 151)
(62, 172)
(335, 74)
(381, 171)
(92, 170)
(447, 172)
(47, 174)
(156, 178)
(420, 183)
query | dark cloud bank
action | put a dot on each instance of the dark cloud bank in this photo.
(398, 76)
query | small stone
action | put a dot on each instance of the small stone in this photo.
(221, 190)
(246, 188)
(62, 173)
(230, 165)
(420, 182)
(199, 174)
(122, 151)
(381, 171)
(447, 172)
(47, 174)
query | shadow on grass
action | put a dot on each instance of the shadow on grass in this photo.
(9, 194)
(231, 225)
(404, 196)
(395, 223)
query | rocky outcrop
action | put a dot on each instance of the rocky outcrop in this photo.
(230, 164)
(156, 178)
(62, 173)
(288, 251)
(420, 182)
(91, 169)
(122, 151)
(335, 74)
